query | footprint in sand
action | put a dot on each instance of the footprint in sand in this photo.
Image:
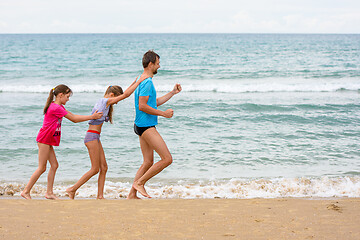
(334, 207)
(259, 220)
(229, 235)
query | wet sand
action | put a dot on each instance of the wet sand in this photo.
(180, 219)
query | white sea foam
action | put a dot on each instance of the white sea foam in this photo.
(226, 86)
(323, 187)
(47, 88)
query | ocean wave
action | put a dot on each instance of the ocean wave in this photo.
(46, 88)
(250, 86)
(323, 187)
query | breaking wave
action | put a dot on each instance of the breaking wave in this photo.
(323, 187)
(226, 87)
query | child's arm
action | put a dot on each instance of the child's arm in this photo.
(127, 92)
(81, 118)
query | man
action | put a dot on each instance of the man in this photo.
(147, 114)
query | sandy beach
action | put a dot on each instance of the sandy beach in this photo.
(180, 219)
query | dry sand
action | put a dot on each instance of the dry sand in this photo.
(180, 219)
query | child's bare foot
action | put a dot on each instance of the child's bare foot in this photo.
(141, 189)
(25, 195)
(70, 193)
(51, 196)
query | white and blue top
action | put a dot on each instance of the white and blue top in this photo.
(101, 107)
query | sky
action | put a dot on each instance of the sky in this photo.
(185, 16)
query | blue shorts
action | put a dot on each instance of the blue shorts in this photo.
(91, 136)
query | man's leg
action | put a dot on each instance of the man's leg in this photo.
(148, 155)
(156, 142)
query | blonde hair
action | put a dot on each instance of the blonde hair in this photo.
(117, 91)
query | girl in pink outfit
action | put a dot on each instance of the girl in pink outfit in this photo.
(49, 136)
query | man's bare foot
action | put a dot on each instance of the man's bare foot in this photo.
(100, 198)
(51, 196)
(132, 196)
(25, 195)
(141, 189)
(70, 193)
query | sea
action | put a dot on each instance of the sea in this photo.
(259, 116)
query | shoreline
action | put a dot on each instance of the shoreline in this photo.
(62, 198)
(280, 218)
(301, 187)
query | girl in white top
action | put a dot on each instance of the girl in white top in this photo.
(112, 96)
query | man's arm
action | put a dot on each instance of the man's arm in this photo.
(161, 100)
(143, 106)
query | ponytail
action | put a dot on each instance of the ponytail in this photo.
(49, 100)
(117, 91)
(111, 109)
(54, 92)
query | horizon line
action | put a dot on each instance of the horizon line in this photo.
(180, 33)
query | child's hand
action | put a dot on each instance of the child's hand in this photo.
(142, 78)
(97, 115)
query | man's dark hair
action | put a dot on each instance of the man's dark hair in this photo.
(149, 56)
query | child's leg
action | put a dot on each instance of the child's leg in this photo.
(44, 151)
(94, 153)
(102, 173)
(51, 175)
(148, 156)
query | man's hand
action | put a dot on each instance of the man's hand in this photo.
(168, 113)
(177, 89)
